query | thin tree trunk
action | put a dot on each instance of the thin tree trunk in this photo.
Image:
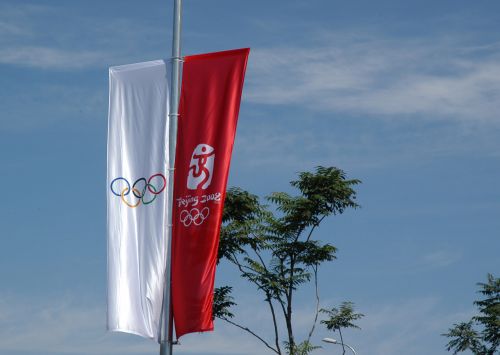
(276, 334)
(342, 341)
(289, 327)
(288, 319)
(315, 268)
(271, 307)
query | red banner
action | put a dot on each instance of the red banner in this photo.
(210, 101)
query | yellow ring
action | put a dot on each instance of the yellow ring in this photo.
(133, 190)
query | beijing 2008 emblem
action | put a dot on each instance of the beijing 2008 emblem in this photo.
(201, 168)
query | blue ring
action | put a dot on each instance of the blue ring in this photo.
(113, 191)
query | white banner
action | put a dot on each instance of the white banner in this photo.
(137, 196)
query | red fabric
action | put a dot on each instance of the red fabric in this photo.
(210, 101)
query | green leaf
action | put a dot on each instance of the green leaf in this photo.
(222, 302)
(342, 317)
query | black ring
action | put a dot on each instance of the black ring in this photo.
(135, 183)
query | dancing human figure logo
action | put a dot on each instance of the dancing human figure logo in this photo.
(201, 167)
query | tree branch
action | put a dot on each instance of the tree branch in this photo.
(271, 307)
(240, 266)
(277, 296)
(313, 227)
(276, 334)
(268, 300)
(260, 258)
(315, 268)
(282, 275)
(251, 332)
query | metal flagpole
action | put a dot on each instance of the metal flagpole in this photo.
(166, 340)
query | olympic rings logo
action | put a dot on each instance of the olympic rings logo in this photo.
(143, 190)
(195, 216)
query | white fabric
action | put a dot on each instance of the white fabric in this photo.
(137, 148)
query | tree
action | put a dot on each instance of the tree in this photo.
(485, 339)
(341, 318)
(276, 252)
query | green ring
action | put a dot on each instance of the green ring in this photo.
(144, 194)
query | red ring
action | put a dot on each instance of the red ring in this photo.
(164, 184)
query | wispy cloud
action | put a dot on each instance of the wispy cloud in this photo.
(366, 101)
(10, 29)
(301, 143)
(27, 41)
(17, 20)
(50, 58)
(440, 258)
(374, 76)
(405, 327)
(67, 328)
(47, 104)
(63, 327)
(59, 327)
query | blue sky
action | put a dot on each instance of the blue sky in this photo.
(402, 95)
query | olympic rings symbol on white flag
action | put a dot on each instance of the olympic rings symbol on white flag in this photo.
(120, 187)
(195, 216)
